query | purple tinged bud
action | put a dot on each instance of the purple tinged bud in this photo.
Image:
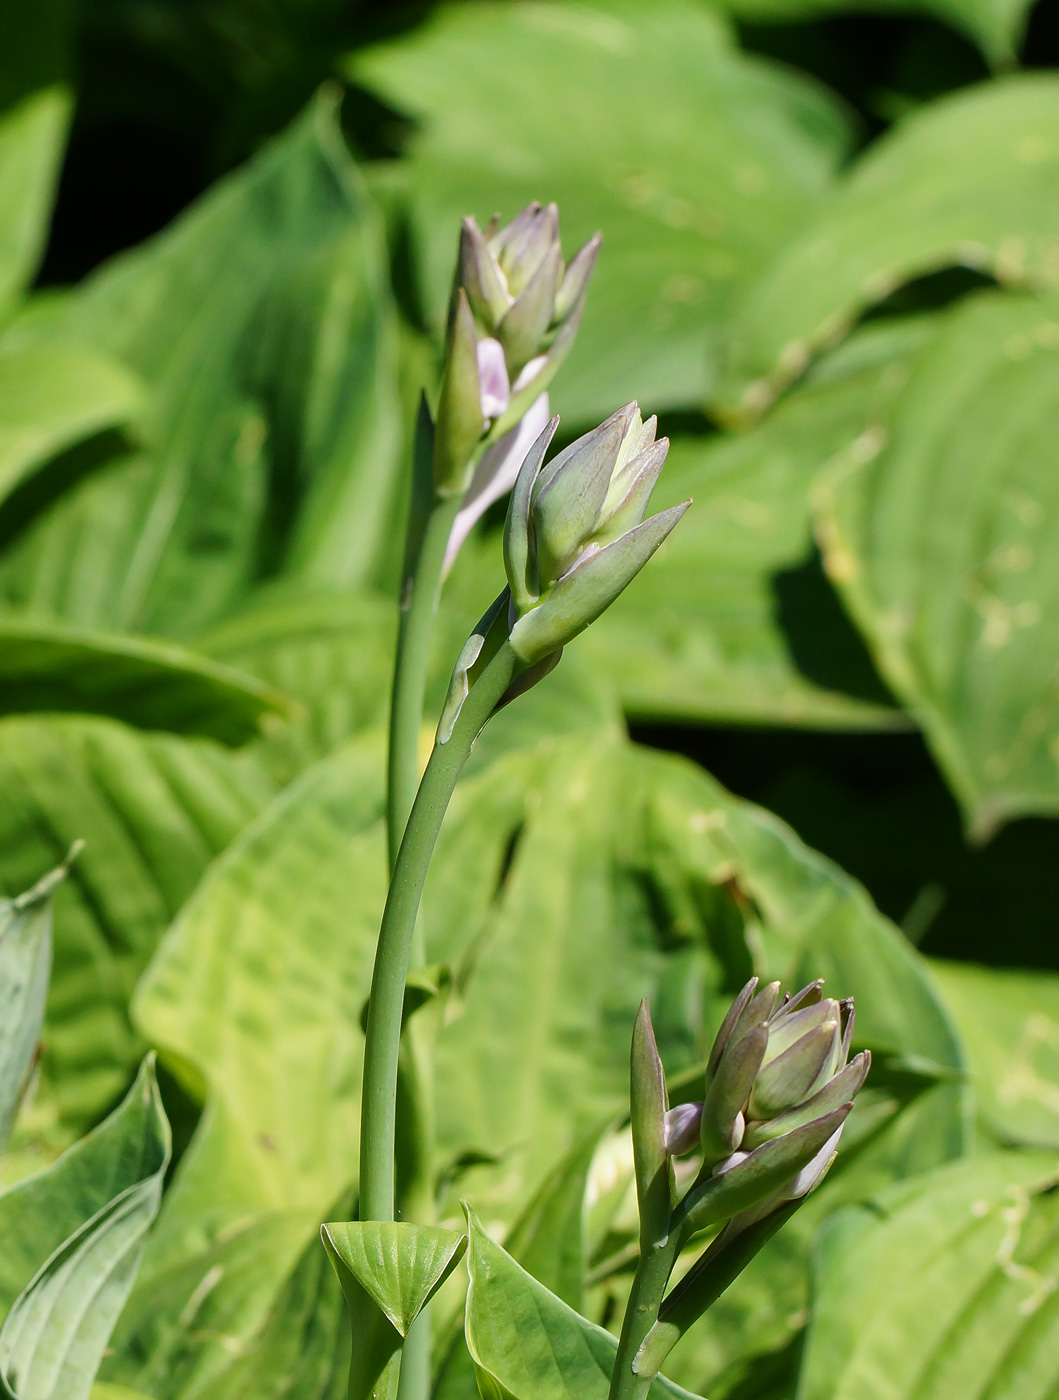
(735, 1011)
(518, 544)
(837, 1091)
(728, 1091)
(459, 425)
(494, 387)
(578, 274)
(682, 1128)
(523, 328)
(480, 277)
(792, 1076)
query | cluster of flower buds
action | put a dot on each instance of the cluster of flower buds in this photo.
(514, 314)
(577, 530)
(779, 1087)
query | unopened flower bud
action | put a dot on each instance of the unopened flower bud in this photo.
(576, 532)
(682, 1128)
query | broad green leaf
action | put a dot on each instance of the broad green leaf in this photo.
(32, 136)
(52, 396)
(548, 1238)
(943, 1289)
(527, 1343)
(1009, 1025)
(25, 968)
(153, 811)
(103, 1390)
(150, 684)
(254, 998)
(969, 180)
(570, 882)
(938, 526)
(262, 326)
(53, 1338)
(398, 1264)
(709, 632)
(206, 1326)
(642, 121)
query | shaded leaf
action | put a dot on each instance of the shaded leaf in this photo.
(261, 324)
(154, 811)
(526, 1342)
(55, 1333)
(969, 180)
(938, 526)
(693, 196)
(154, 685)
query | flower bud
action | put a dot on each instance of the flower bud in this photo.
(682, 1128)
(576, 532)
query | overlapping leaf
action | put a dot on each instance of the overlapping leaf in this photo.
(694, 190)
(153, 811)
(55, 1333)
(940, 528)
(969, 180)
(945, 1289)
(261, 324)
(32, 136)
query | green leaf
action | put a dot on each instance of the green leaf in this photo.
(938, 525)
(548, 1238)
(150, 684)
(1009, 1025)
(571, 881)
(527, 1343)
(969, 180)
(706, 633)
(400, 1266)
(154, 811)
(943, 1289)
(52, 396)
(25, 969)
(54, 1336)
(262, 325)
(694, 195)
(32, 137)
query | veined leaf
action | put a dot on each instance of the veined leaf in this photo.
(969, 180)
(399, 1265)
(945, 1288)
(54, 1336)
(153, 685)
(262, 327)
(25, 968)
(939, 527)
(1009, 1025)
(154, 810)
(527, 1343)
(694, 195)
(32, 136)
(52, 396)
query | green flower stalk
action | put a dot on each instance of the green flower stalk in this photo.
(780, 1085)
(514, 313)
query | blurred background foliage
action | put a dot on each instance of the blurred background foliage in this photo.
(831, 265)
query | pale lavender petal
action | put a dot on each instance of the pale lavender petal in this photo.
(528, 373)
(682, 1128)
(492, 378)
(495, 474)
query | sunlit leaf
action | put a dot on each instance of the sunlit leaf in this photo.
(1009, 1025)
(527, 1343)
(153, 811)
(945, 1288)
(32, 135)
(25, 967)
(398, 1264)
(969, 180)
(55, 1333)
(642, 121)
(939, 527)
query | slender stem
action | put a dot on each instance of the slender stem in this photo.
(421, 588)
(641, 1313)
(386, 1004)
